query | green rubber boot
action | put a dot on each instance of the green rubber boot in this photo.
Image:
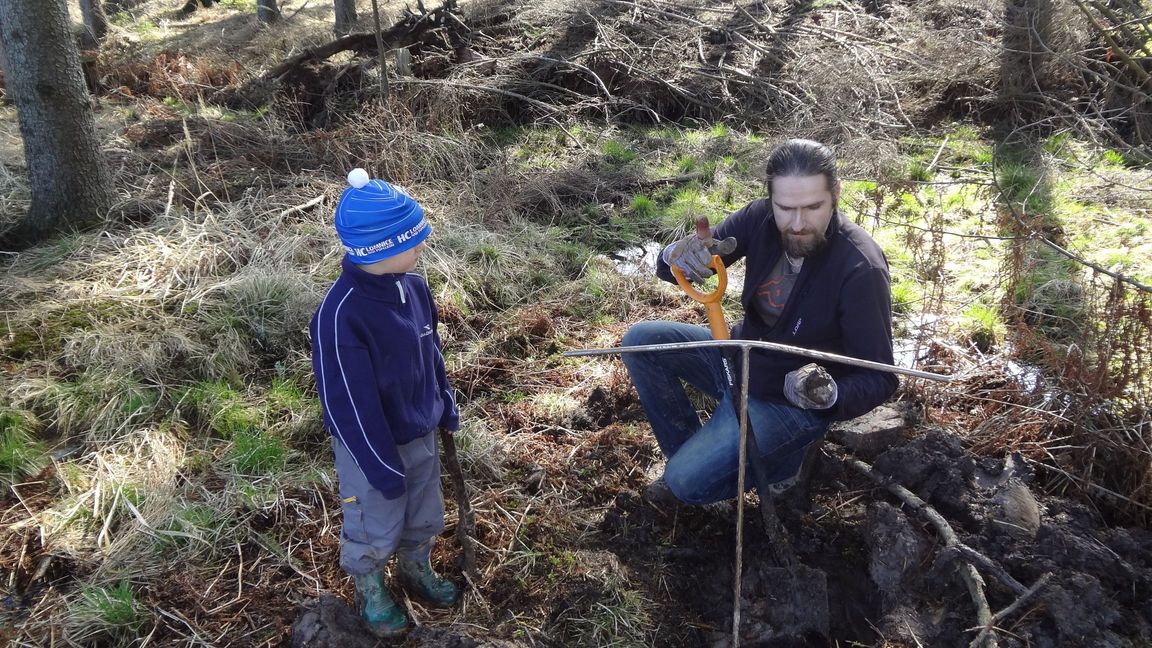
(421, 581)
(382, 614)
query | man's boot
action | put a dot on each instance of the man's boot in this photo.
(421, 581)
(382, 614)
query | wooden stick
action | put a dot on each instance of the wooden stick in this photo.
(465, 520)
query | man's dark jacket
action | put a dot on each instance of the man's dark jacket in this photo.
(841, 304)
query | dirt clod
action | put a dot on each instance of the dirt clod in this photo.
(331, 623)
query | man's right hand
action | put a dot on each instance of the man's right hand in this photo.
(693, 253)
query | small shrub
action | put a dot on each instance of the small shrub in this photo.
(917, 171)
(904, 294)
(1023, 185)
(194, 527)
(980, 326)
(223, 409)
(643, 206)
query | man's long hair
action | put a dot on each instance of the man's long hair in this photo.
(799, 158)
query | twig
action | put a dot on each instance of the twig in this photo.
(971, 577)
(1086, 483)
(1117, 49)
(380, 53)
(1043, 239)
(1024, 597)
(303, 206)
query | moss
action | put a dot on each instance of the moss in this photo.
(222, 409)
(43, 335)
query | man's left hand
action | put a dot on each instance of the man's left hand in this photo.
(810, 387)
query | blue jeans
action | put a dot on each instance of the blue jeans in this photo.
(702, 459)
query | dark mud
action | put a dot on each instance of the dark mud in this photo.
(889, 580)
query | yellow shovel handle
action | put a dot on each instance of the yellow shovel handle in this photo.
(710, 300)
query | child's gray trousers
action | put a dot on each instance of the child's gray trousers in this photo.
(374, 527)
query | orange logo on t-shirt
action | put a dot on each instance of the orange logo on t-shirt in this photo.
(772, 291)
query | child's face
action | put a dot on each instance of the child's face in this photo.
(403, 262)
(409, 258)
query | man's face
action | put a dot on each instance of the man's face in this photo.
(803, 206)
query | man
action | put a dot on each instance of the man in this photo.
(813, 280)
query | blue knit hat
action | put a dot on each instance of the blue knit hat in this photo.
(376, 220)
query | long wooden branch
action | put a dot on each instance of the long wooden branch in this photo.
(968, 572)
(354, 42)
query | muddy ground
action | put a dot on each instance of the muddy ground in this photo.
(891, 580)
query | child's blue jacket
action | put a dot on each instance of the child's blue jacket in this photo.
(379, 370)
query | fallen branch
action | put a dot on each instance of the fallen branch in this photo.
(302, 207)
(402, 34)
(968, 572)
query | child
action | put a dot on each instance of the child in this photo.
(381, 381)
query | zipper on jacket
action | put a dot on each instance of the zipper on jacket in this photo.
(400, 289)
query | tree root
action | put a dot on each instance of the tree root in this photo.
(955, 550)
(968, 572)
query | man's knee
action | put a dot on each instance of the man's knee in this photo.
(643, 333)
(685, 485)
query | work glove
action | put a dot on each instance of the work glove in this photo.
(810, 387)
(693, 253)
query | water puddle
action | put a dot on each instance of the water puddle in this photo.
(637, 261)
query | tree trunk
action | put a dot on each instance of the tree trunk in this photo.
(345, 16)
(3, 67)
(67, 173)
(266, 11)
(95, 21)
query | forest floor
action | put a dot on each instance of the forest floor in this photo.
(168, 479)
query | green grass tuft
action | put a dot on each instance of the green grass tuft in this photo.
(616, 153)
(256, 453)
(111, 614)
(21, 454)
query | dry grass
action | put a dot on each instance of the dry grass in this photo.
(164, 360)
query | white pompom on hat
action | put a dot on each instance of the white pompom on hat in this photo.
(376, 220)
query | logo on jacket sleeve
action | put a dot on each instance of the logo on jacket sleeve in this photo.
(796, 326)
(427, 330)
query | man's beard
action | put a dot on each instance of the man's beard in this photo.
(804, 245)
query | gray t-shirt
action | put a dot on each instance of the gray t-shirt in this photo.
(773, 293)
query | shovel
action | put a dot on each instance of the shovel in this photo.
(801, 606)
